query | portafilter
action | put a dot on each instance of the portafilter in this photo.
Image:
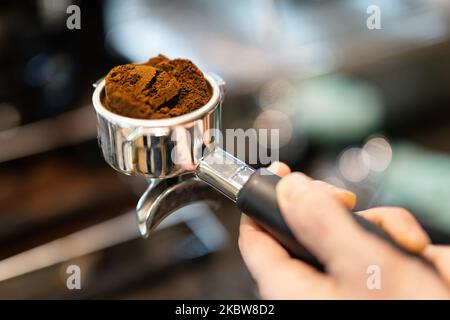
(182, 159)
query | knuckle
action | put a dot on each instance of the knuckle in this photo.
(316, 194)
(310, 198)
(311, 207)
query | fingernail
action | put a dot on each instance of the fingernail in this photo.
(291, 186)
(274, 167)
(349, 197)
(278, 167)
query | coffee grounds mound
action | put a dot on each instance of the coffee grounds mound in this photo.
(159, 88)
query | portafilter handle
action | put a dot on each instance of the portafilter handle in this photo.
(254, 193)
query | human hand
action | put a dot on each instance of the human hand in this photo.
(317, 214)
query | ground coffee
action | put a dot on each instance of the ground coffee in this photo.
(159, 88)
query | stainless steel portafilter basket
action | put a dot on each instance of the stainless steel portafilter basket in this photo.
(182, 159)
(158, 149)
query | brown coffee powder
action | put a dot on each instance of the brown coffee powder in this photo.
(159, 88)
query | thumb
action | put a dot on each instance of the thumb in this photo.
(321, 222)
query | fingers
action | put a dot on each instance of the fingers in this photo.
(400, 225)
(278, 275)
(270, 264)
(279, 168)
(439, 256)
(320, 221)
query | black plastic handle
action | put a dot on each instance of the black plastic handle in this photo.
(257, 199)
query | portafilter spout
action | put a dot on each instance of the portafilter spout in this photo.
(164, 196)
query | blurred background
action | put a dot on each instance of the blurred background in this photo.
(368, 110)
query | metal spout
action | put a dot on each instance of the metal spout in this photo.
(163, 197)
